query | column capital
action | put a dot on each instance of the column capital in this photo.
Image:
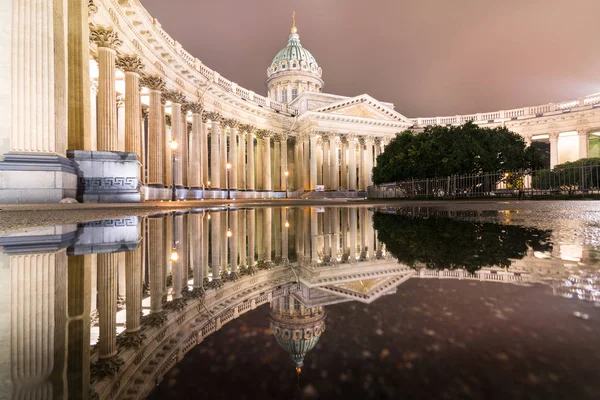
(377, 141)
(153, 82)
(130, 64)
(301, 137)
(282, 137)
(246, 128)
(230, 122)
(553, 135)
(584, 132)
(264, 134)
(212, 115)
(175, 96)
(362, 140)
(92, 8)
(195, 108)
(104, 37)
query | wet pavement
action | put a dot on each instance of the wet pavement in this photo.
(448, 300)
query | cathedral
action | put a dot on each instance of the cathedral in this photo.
(106, 106)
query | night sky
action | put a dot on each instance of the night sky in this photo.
(428, 57)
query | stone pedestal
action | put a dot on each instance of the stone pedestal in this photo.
(107, 176)
(27, 178)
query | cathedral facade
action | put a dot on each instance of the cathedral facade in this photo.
(105, 106)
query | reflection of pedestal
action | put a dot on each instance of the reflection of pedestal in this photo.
(107, 176)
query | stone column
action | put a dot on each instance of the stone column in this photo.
(258, 160)
(326, 169)
(313, 161)
(352, 162)
(300, 161)
(178, 133)
(132, 66)
(583, 143)
(133, 290)
(93, 116)
(107, 304)
(362, 164)
(242, 160)
(196, 155)
(377, 151)
(284, 164)
(107, 42)
(369, 162)
(223, 154)
(233, 156)
(186, 132)
(167, 137)
(215, 129)
(120, 123)
(204, 150)
(251, 170)
(276, 164)
(305, 162)
(156, 124)
(334, 166)
(79, 104)
(156, 260)
(344, 163)
(267, 181)
(553, 149)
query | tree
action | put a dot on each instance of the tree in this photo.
(583, 174)
(441, 151)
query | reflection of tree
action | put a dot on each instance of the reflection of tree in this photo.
(444, 243)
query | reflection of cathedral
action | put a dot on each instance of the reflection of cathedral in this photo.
(296, 328)
(190, 273)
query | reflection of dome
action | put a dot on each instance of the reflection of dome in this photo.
(293, 71)
(296, 328)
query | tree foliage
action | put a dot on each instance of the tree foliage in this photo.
(577, 175)
(455, 150)
(440, 242)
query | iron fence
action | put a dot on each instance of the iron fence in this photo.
(565, 180)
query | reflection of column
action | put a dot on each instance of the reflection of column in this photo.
(133, 292)
(313, 161)
(216, 239)
(335, 230)
(233, 241)
(107, 304)
(268, 230)
(178, 267)
(242, 238)
(251, 216)
(314, 234)
(344, 232)
(553, 149)
(363, 232)
(155, 131)
(353, 229)
(156, 261)
(370, 233)
(33, 316)
(107, 42)
(583, 143)
(205, 249)
(284, 236)
(196, 247)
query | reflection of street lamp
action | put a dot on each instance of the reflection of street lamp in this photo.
(286, 173)
(173, 150)
(174, 255)
(228, 167)
(229, 233)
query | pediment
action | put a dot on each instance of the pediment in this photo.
(363, 106)
(367, 290)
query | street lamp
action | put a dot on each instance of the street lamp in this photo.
(287, 224)
(286, 173)
(174, 146)
(228, 167)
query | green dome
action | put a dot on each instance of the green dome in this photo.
(294, 52)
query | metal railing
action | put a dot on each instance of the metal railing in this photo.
(562, 180)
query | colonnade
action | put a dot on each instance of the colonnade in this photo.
(566, 146)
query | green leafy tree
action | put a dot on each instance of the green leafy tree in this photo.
(441, 151)
(583, 174)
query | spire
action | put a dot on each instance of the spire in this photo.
(294, 30)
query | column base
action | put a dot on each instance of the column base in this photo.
(107, 176)
(29, 178)
(155, 193)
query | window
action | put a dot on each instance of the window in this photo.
(284, 96)
(294, 94)
(293, 65)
